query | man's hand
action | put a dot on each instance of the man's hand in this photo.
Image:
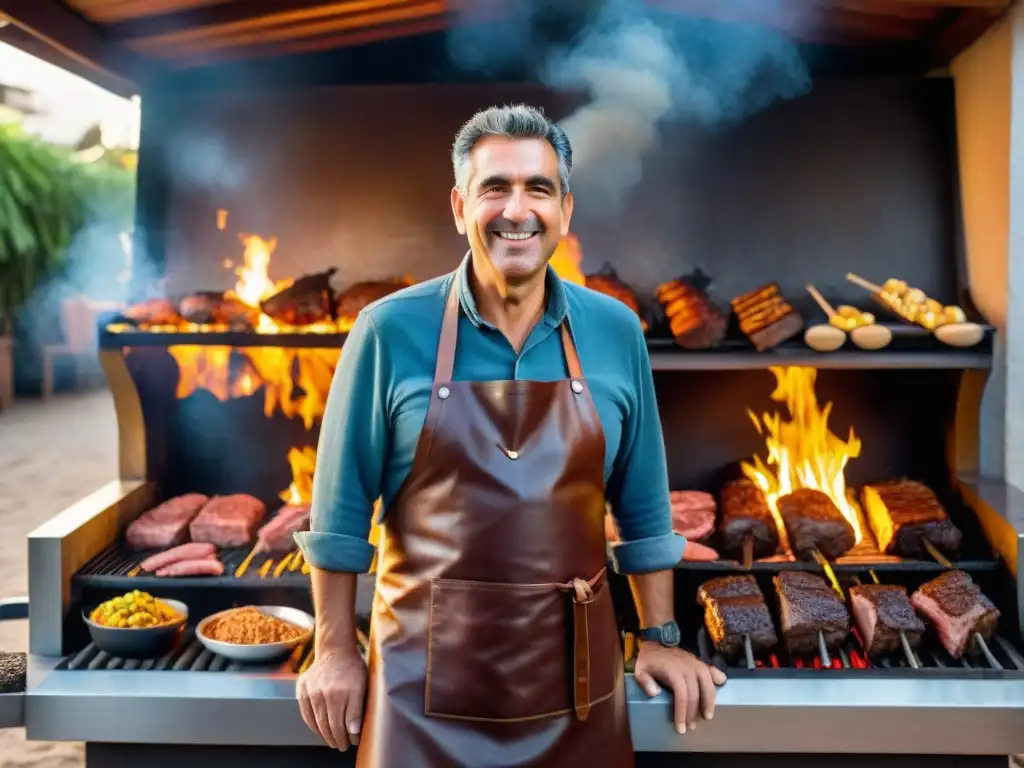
(330, 695)
(691, 681)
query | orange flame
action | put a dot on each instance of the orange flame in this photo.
(303, 464)
(802, 451)
(567, 259)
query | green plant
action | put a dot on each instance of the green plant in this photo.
(45, 198)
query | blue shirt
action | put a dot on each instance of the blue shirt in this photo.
(381, 389)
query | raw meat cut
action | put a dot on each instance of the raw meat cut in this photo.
(190, 551)
(276, 535)
(807, 606)
(814, 522)
(165, 525)
(882, 611)
(228, 521)
(206, 567)
(745, 513)
(958, 609)
(693, 514)
(904, 512)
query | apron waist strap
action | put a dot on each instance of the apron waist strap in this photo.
(584, 592)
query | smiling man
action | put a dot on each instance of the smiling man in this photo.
(495, 409)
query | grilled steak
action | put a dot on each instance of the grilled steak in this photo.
(766, 318)
(228, 521)
(695, 323)
(353, 299)
(608, 283)
(728, 586)
(814, 522)
(807, 606)
(308, 300)
(209, 566)
(730, 619)
(165, 525)
(693, 514)
(882, 611)
(745, 513)
(191, 551)
(958, 609)
(276, 536)
(153, 312)
(208, 308)
(902, 513)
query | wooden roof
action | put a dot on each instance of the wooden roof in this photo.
(122, 37)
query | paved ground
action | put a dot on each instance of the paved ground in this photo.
(50, 455)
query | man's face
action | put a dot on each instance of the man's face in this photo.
(513, 210)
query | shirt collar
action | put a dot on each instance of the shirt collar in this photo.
(557, 308)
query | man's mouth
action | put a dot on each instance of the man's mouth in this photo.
(515, 236)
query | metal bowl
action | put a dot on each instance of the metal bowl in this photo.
(264, 652)
(138, 642)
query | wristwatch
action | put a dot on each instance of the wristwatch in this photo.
(667, 634)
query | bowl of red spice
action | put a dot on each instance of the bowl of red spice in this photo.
(255, 633)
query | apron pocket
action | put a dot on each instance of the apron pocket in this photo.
(503, 652)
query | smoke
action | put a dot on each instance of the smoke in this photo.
(639, 70)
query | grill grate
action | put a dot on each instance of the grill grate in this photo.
(118, 567)
(933, 661)
(188, 656)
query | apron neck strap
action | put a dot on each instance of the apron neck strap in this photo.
(445, 366)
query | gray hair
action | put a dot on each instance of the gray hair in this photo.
(515, 121)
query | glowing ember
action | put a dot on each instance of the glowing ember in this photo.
(567, 259)
(802, 451)
(303, 464)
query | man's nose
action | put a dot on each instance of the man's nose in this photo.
(516, 208)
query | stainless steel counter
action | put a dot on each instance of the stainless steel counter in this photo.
(826, 715)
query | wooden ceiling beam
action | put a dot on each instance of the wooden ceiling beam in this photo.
(112, 11)
(56, 25)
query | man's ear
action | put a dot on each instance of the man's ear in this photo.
(458, 210)
(567, 204)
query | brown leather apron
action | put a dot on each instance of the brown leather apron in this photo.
(493, 640)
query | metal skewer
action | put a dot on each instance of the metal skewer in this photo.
(987, 652)
(748, 551)
(826, 660)
(940, 558)
(748, 651)
(908, 651)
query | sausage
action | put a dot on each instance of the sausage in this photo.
(206, 567)
(190, 551)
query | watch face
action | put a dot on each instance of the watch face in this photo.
(670, 634)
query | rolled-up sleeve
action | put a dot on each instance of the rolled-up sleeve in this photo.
(638, 487)
(350, 457)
